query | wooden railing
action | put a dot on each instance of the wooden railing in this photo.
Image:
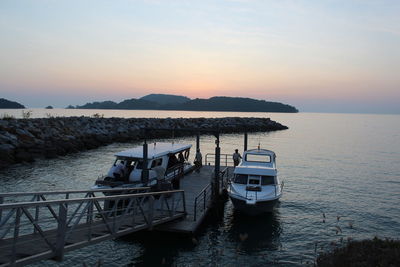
(225, 159)
(35, 230)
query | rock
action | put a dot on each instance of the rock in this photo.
(27, 139)
(7, 153)
(23, 156)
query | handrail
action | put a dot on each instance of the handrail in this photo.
(224, 182)
(203, 193)
(275, 186)
(77, 200)
(67, 224)
(224, 158)
(12, 194)
(176, 170)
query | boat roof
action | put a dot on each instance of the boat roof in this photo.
(155, 150)
(254, 170)
(259, 151)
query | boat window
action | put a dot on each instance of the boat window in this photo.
(267, 180)
(139, 165)
(172, 161)
(156, 162)
(240, 179)
(258, 158)
(254, 181)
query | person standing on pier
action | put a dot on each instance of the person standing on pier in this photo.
(236, 157)
(198, 160)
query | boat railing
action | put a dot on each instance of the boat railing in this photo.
(174, 172)
(280, 186)
(224, 179)
(225, 159)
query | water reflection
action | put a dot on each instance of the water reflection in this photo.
(158, 248)
(255, 233)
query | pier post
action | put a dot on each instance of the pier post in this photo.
(145, 171)
(61, 233)
(197, 141)
(245, 141)
(215, 183)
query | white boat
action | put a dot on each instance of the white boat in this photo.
(166, 164)
(255, 187)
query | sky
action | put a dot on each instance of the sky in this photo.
(318, 55)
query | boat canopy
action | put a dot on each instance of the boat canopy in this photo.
(260, 152)
(155, 150)
(254, 170)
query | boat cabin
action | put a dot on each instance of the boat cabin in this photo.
(162, 159)
(257, 169)
(255, 187)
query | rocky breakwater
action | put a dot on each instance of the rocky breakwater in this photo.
(24, 140)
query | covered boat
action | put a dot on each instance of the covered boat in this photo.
(164, 165)
(255, 187)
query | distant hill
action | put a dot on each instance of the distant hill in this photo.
(223, 103)
(218, 103)
(164, 99)
(97, 105)
(4, 103)
(137, 104)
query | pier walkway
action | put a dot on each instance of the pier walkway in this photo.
(45, 225)
(42, 229)
(198, 192)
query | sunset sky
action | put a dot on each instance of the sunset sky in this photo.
(320, 56)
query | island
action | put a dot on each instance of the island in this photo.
(174, 102)
(7, 104)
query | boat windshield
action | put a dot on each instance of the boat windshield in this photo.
(240, 179)
(258, 158)
(267, 180)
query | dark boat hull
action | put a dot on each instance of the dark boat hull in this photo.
(254, 209)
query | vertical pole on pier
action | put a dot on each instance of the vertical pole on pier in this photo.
(217, 168)
(245, 141)
(197, 141)
(145, 170)
(61, 233)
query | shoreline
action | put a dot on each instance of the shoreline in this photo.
(24, 140)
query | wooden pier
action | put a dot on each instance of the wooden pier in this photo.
(43, 229)
(44, 225)
(198, 196)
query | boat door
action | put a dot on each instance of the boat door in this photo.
(252, 189)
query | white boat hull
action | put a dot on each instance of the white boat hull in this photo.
(253, 208)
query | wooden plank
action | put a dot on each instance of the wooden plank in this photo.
(192, 184)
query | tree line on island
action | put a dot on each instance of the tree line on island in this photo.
(7, 104)
(174, 102)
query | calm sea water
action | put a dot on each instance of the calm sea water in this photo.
(345, 165)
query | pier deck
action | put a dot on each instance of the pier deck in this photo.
(42, 229)
(32, 231)
(195, 185)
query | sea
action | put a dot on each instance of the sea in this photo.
(341, 176)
